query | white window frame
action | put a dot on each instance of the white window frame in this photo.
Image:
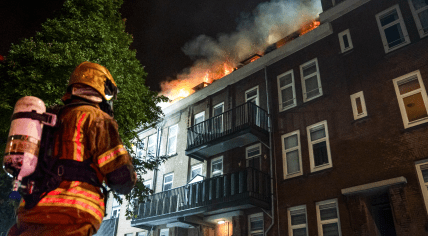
(129, 234)
(172, 181)
(164, 232)
(194, 167)
(354, 97)
(415, 14)
(149, 183)
(311, 152)
(400, 97)
(342, 43)
(141, 233)
(399, 21)
(259, 145)
(321, 223)
(419, 165)
(222, 165)
(155, 144)
(291, 227)
(174, 151)
(200, 114)
(284, 152)
(250, 233)
(293, 87)
(256, 96)
(317, 73)
(222, 111)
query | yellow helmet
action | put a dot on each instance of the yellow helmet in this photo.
(96, 76)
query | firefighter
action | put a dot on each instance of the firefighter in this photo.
(90, 151)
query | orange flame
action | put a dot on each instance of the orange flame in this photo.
(306, 28)
(178, 89)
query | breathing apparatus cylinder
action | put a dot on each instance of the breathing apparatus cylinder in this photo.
(23, 143)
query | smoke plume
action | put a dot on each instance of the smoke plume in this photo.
(268, 23)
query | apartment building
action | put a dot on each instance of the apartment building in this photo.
(326, 135)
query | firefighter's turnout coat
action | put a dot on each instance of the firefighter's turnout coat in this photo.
(86, 132)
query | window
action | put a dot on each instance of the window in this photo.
(218, 118)
(420, 13)
(148, 184)
(319, 146)
(412, 99)
(392, 29)
(291, 154)
(172, 139)
(345, 41)
(130, 234)
(252, 95)
(142, 234)
(115, 209)
(167, 181)
(255, 224)
(358, 105)
(164, 232)
(286, 91)
(297, 223)
(217, 166)
(422, 172)
(253, 156)
(199, 117)
(196, 170)
(328, 218)
(311, 81)
(151, 146)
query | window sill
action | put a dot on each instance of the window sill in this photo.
(293, 175)
(361, 120)
(172, 155)
(415, 127)
(321, 168)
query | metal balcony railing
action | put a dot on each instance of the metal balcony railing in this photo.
(211, 193)
(234, 120)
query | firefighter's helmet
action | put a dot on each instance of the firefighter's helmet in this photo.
(95, 76)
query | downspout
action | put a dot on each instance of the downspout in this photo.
(270, 155)
(158, 140)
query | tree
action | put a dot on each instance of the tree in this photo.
(81, 31)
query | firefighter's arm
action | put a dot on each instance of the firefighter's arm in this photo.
(112, 158)
(122, 180)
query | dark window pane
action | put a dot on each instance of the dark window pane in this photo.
(394, 35)
(287, 96)
(425, 175)
(309, 69)
(291, 141)
(256, 224)
(293, 165)
(418, 4)
(327, 214)
(330, 229)
(423, 17)
(285, 80)
(317, 132)
(345, 41)
(389, 17)
(320, 153)
(298, 219)
(299, 232)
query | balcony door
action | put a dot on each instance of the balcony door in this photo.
(253, 156)
(218, 111)
(252, 96)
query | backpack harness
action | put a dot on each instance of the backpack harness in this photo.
(51, 170)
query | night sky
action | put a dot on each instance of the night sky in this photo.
(160, 28)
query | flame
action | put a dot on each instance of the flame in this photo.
(306, 28)
(178, 89)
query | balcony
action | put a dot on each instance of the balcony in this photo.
(237, 127)
(239, 190)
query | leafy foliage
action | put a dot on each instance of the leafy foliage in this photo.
(82, 31)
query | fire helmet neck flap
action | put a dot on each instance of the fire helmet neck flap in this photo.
(93, 82)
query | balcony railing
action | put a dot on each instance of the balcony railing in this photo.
(249, 186)
(234, 120)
